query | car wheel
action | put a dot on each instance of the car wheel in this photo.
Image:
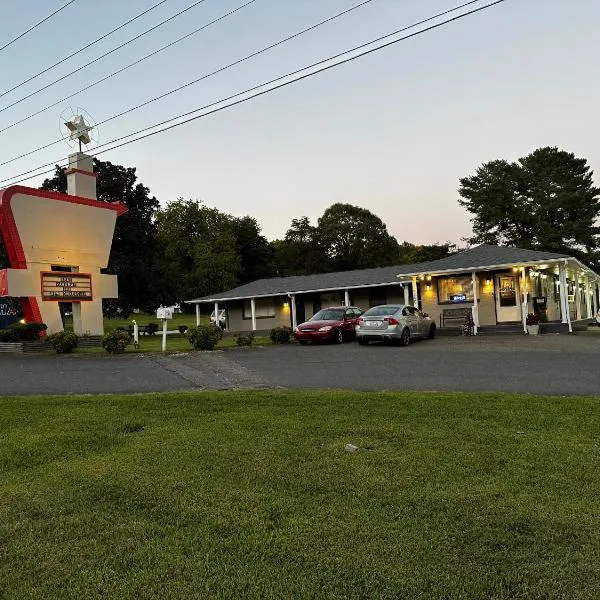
(431, 332)
(339, 336)
(405, 338)
(362, 341)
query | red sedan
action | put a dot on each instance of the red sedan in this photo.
(334, 324)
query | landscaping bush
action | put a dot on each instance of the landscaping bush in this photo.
(152, 328)
(28, 332)
(281, 335)
(116, 341)
(205, 337)
(8, 336)
(63, 342)
(245, 340)
(182, 329)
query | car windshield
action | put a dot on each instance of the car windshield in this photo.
(329, 314)
(381, 311)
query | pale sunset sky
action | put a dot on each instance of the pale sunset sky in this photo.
(392, 132)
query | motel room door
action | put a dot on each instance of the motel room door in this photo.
(507, 298)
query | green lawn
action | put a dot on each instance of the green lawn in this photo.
(251, 495)
(143, 319)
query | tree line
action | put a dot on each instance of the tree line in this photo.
(185, 249)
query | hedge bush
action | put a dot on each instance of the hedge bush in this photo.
(23, 332)
(63, 342)
(116, 341)
(182, 329)
(281, 335)
(8, 336)
(205, 337)
(245, 340)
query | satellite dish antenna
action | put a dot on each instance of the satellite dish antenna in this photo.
(78, 128)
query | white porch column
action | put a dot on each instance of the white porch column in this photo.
(588, 298)
(475, 309)
(578, 315)
(217, 313)
(346, 298)
(405, 292)
(415, 293)
(564, 301)
(525, 298)
(293, 304)
(253, 313)
(197, 315)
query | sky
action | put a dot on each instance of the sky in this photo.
(392, 132)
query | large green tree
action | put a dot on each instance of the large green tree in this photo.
(299, 253)
(544, 201)
(352, 237)
(135, 255)
(416, 253)
(256, 254)
(199, 245)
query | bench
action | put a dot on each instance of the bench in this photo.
(454, 315)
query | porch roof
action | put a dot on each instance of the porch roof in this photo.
(484, 257)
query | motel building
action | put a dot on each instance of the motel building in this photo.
(498, 285)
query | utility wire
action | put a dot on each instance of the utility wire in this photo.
(263, 92)
(137, 37)
(62, 60)
(137, 62)
(295, 35)
(36, 25)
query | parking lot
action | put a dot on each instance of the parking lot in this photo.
(550, 364)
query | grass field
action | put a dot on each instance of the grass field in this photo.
(252, 495)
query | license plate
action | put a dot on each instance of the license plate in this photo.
(373, 323)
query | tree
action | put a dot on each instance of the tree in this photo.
(544, 201)
(135, 256)
(354, 238)
(200, 248)
(256, 254)
(411, 253)
(299, 253)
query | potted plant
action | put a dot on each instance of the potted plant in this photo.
(533, 324)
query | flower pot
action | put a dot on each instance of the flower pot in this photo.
(533, 329)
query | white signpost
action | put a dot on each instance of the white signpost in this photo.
(165, 313)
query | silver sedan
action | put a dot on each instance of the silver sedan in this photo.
(394, 323)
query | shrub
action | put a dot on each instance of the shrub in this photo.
(152, 328)
(245, 340)
(182, 329)
(205, 337)
(116, 341)
(63, 342)
(532, 319)
(8, 336)
(281, 335)
(28, 332)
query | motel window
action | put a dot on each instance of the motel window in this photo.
(264, 308)
(455, 290)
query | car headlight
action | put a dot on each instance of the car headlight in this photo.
(325, 328)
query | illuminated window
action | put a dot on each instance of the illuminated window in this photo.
(455, 290)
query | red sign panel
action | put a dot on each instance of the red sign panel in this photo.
(61, 286)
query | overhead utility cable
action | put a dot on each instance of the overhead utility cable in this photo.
(137, 62)
(103, 37)
(262, 92)
(186, 85)
(91, 62)
(21, 35)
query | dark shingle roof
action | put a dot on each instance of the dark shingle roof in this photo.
(480, 257)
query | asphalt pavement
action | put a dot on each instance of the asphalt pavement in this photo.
(549, 364)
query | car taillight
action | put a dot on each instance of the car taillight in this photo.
(393, 321)
(360, 320)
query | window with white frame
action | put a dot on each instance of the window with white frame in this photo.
(264, 308)
(455, 290)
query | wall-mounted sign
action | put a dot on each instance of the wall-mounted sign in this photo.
(61, 286)
(458, 298)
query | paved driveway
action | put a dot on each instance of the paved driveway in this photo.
(549, 364)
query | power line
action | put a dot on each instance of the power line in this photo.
(137, 37)
(36, 25)
(136, 62)
(267, 91)
(295, 35)
(193, 82)
(62, 60)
